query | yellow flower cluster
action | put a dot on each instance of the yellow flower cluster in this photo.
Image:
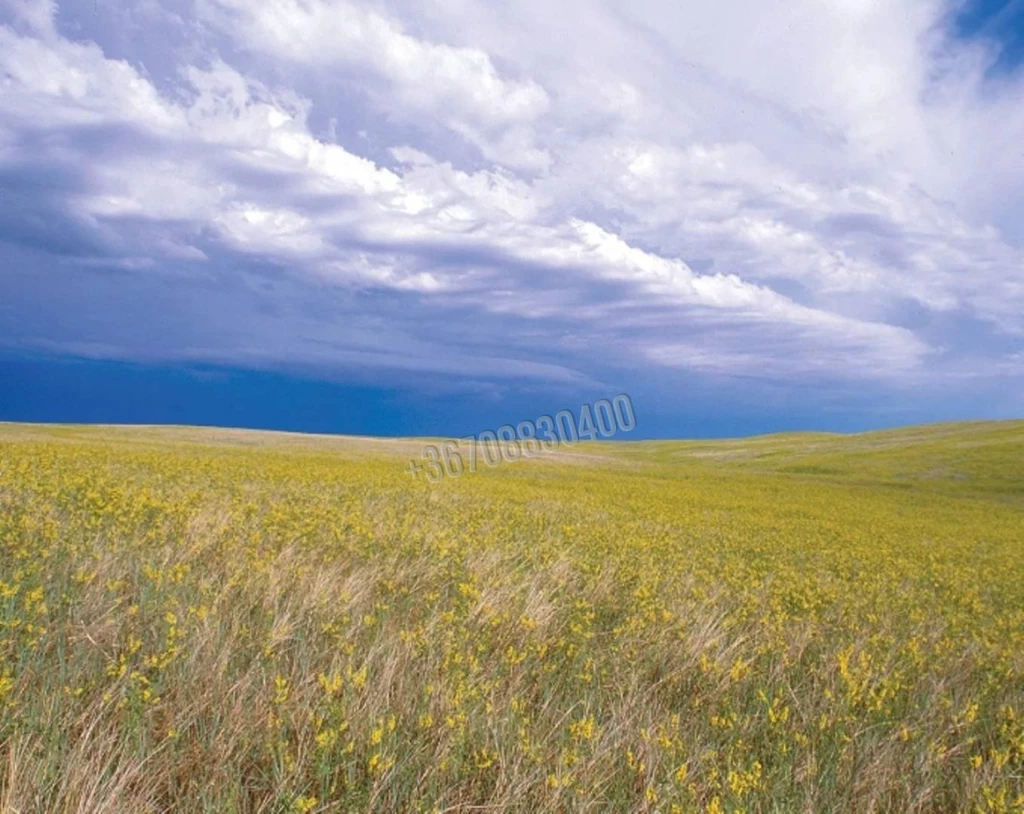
(243, 621)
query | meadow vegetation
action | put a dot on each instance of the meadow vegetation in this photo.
(206, 620)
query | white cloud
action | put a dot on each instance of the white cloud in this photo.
(37, 15)
(801, 197)
(458, 87)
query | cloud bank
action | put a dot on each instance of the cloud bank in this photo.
(829, 198)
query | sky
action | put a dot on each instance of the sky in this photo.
(408, 218)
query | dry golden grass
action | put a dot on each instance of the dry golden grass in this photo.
(209, 620)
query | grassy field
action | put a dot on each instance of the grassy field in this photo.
(223, 620)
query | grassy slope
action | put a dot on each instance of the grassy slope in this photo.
(220, 619)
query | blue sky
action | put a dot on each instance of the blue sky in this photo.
(432, 218)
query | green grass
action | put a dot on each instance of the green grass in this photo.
(223, 620)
